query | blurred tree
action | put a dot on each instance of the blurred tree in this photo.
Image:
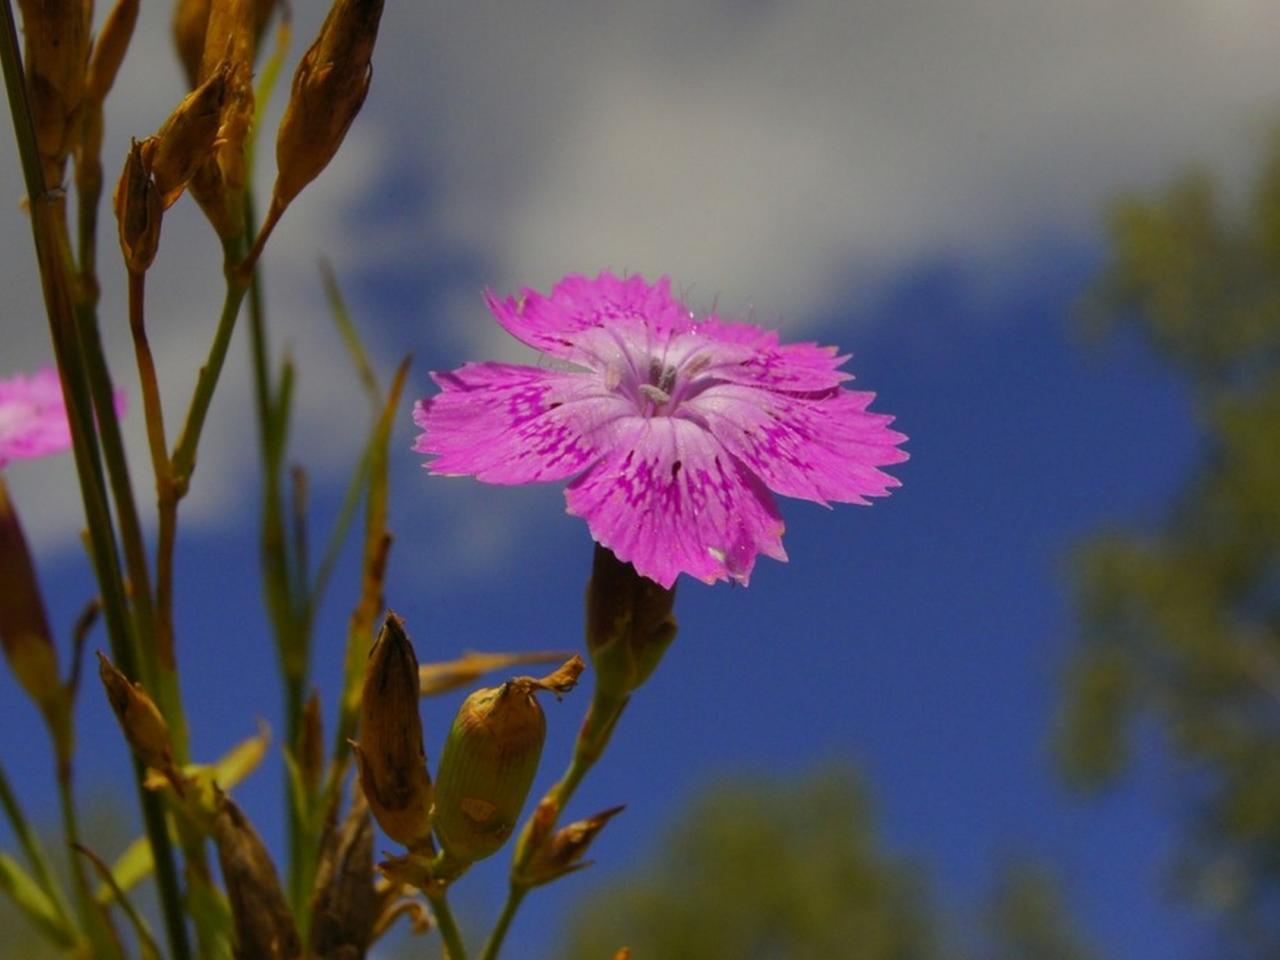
(767, 870)
(1028, 919)
(1181, 625)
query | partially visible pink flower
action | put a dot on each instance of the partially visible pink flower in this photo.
(33, 416)
(674, 429)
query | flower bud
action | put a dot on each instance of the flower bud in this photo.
(329, 88)
(562, 853)
(489, 762)
(186, 140)
(139, 211)
(264, 927)
(139, 717)
(393, 764)
(24, 626)
(630, 624)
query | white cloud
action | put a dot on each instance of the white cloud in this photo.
(781, 156)
(777, 153)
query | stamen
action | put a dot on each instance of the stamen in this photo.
(656, 394)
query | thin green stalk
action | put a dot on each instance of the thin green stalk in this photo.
(448, 927)
(514, 896)
(47, 207)
(33, 851)
(101, 935)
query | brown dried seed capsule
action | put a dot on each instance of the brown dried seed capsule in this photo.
(264, 927)
(630, 624)
(139, 211)
(57, 50)
(328, 90)
(139, 717)
(393, 764)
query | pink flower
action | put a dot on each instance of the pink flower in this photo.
(33, 416)
(674, 429)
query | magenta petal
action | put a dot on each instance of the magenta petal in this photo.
(750, 355)
(504, 423)
(577, 304)
(33, 416)
(817, 448)
(670, 499)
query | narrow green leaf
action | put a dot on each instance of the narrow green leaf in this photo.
(34, 904)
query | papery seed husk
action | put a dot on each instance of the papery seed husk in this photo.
(264, 927)
(486, 769)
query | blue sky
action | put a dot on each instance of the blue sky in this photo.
(919, 183)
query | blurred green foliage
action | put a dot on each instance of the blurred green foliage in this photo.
(794, 870)
(1180, 625)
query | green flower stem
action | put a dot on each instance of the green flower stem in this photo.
(455, 950)
(597, 727)
(47, 208)
(514, 896)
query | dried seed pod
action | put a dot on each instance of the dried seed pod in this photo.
(264, 927)
(328, 90)
(489, 762)
(139, 211)
(630, 624)
(393, 764)
(345, 904)
(139, 717)
(57, 52)
(186, 140)
(562, 852)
